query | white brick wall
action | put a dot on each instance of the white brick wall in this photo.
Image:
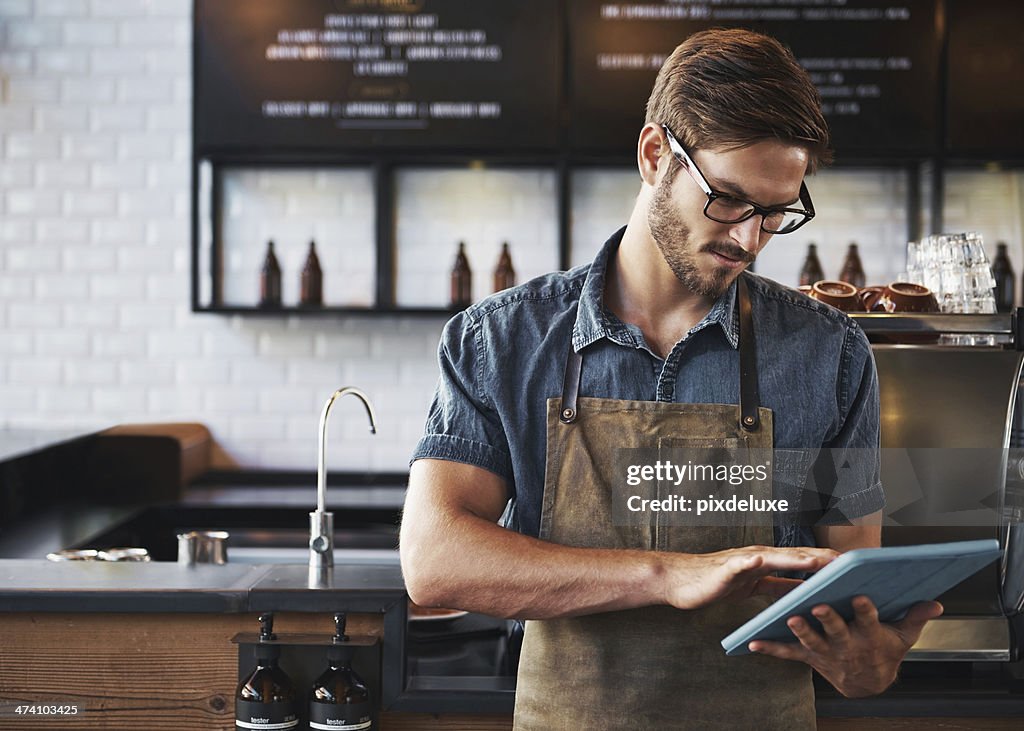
(95, 139)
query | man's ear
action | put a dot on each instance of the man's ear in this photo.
(650, 149)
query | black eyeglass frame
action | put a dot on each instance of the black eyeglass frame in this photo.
(687, 162)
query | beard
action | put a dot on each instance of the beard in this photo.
(672, 236)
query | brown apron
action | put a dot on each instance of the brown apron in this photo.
(653, 667)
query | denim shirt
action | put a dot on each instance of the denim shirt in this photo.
(504, 357)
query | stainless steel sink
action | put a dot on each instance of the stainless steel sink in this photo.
(257, 534)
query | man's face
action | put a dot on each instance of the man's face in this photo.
(707, 256)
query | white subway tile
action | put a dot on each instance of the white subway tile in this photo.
(18, 399)
(201, 371)
(62, 230)
(88, 259)
(145, 90)
(91, 90)
(91, 372)
(119, 287)
(16, 118)
(32, 203)
(167, 232)
(16, 342)
(32, 91)
(145, 202)
(34, 371)
(119, 345)
(119, 174)
(15, 8)
(98, 33)
(62, 174)
(63, 118)
(116, 60)
(285, 344)
(64, 400)
(31, 146)
(168, 117)
(148, 371)
(261, 427)
(35, 258)
(258, 372)
(90, 203)
(170, 62)
(62, 287)
(15, 63)
(167, 287)
(16, 231)
(62, 62)
(146, 316)
(89, 147)
(117, 231)
(228, 401)
(118, 8)
(141, 259)
(118, 118)
(62, 343)
(62, 8)
(241, 345)
(175, 403)
(33, 33)
(174, 344)
(338, 346)
(16, 174)
(91, 315)
(163, 175)
(122, 402)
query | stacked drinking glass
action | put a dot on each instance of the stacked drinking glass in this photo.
(956, 268)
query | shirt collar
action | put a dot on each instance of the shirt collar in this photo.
(594, 323)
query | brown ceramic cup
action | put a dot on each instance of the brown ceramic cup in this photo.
(869, 297)
(907, 297)
(841, 295)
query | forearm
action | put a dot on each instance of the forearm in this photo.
(469, 562)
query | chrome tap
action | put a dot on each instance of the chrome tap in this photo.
(321, 522)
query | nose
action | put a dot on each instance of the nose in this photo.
(748, 233)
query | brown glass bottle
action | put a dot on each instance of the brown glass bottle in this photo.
(852, 271)
(461, 280)
(266, 697)
(811, 271)
(312, 284)
(340, 698)
(1006, 280)
(504, 274)
(270, 279)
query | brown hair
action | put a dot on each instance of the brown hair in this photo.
(728, 88)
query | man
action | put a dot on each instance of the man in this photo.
(663, 340)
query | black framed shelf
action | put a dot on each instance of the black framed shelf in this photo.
(440, 312)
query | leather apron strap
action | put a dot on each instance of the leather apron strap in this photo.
(750, 399)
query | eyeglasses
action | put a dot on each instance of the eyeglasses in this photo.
(728, 209)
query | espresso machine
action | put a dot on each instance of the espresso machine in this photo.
(952, 434)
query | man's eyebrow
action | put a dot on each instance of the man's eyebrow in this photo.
(738, 192)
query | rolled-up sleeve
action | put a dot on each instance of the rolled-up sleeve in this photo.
(462, 425)
(854, 449)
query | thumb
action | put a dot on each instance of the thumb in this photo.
(740, 565)
(918, 616)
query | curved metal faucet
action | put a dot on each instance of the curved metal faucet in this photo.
(321, 522)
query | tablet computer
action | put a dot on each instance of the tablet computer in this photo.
(894, 578)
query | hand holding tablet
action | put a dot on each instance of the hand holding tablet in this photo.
(894, 578)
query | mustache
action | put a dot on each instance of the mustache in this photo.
(730, 250)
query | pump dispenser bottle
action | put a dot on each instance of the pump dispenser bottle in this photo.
(340, 699)
(266, 698)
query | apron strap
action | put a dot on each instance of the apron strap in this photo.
(750, 400)
(571, 386)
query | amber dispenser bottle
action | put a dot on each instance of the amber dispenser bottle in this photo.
(340, 698)
(461, 280)
(266, 698)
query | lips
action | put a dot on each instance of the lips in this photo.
(726, 260)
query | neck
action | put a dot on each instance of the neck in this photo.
(641, 289)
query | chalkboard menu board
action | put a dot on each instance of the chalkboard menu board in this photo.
(986, 77)
(345, 74)
(875, 64)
